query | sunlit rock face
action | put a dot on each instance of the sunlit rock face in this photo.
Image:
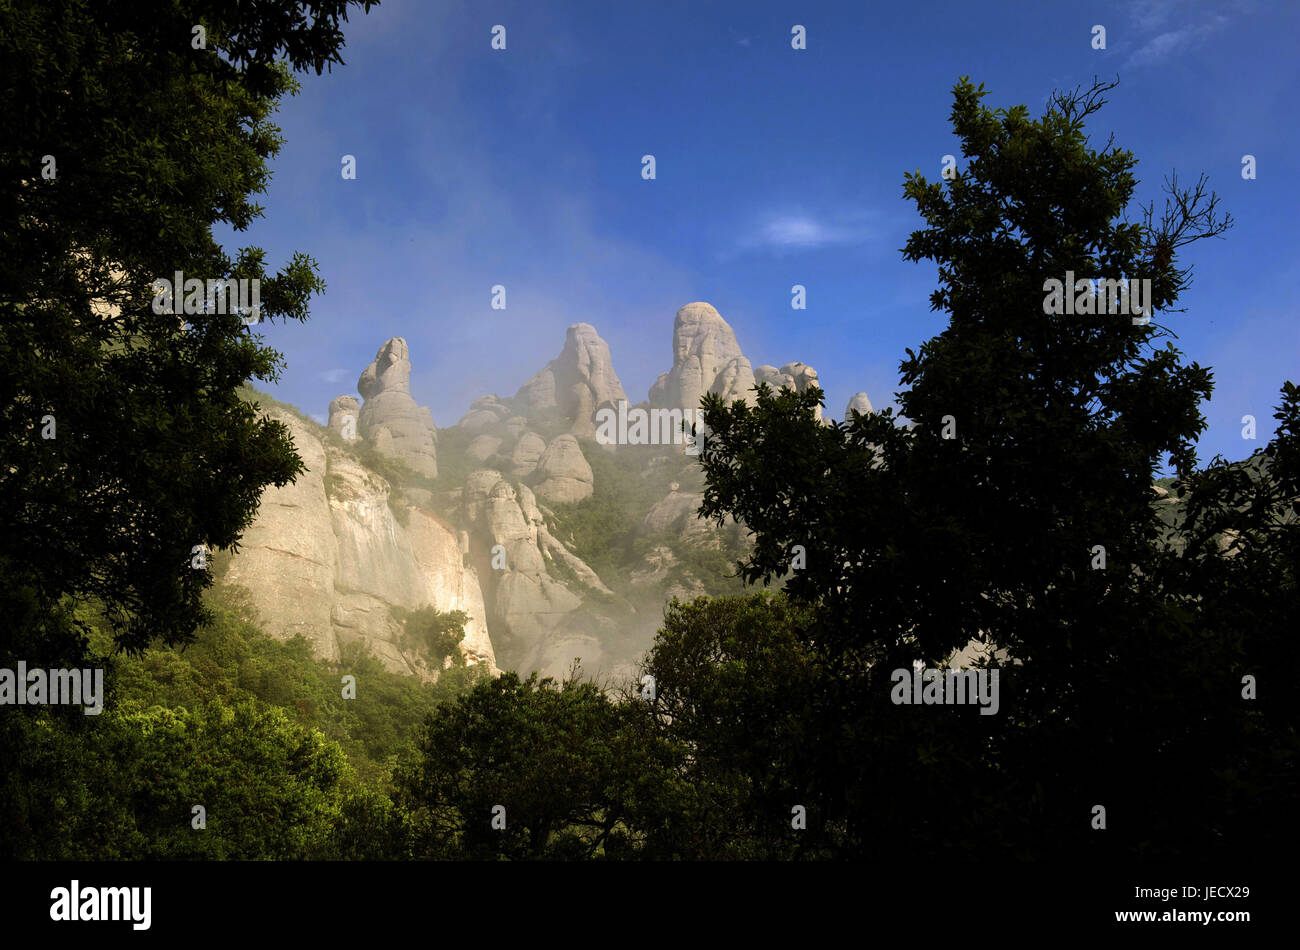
(566, 476)
(513, 551)
(389, 419)
(338, 554)
(327, 557)
(797, 376)
(706, 358)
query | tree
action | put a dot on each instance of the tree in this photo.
(125, 787)
(733, 699)
(550, 755)
(127, 455)
(1032, 442)
(438, 632)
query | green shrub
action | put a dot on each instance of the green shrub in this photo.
(435, 631)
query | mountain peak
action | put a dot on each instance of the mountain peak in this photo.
(706, 358)
(389, 418)
(577, 382)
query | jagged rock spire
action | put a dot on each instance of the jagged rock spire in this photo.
(389, 418)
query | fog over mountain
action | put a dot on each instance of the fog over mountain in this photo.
(491, 516)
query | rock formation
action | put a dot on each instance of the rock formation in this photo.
(859, 403)
(797, 376)
(676, 513)
(511, 546)
(672, 512)
(656, 570)
(484, 412)
(566, 476)
(327, 557)
(706, 358)
(805, 377)
(343, 417)
(390, 420)
(577, 382)
(336, 555)
(528, 451)
(482, 448)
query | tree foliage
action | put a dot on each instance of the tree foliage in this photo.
(152, 142)
(437, 632)
(544, 760)
(1031, 443)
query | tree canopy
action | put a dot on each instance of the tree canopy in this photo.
(1007, 510)
(126, 451)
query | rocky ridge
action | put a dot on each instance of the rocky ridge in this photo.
(356, 540)
(331, 555)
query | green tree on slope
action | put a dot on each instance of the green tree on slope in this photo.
(1031, 446)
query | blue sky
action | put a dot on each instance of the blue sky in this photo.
(775, 167)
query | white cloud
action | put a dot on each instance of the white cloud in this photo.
(1152, 14)
(335, 375)
(1171, 27)
(800, 231)
(1183, 40)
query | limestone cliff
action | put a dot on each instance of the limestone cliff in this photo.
(328, 557)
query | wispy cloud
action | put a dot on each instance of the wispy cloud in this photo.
(416, 256)
(1173, 42)
(1149, 15)
(1169, 28)
(800, 231)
